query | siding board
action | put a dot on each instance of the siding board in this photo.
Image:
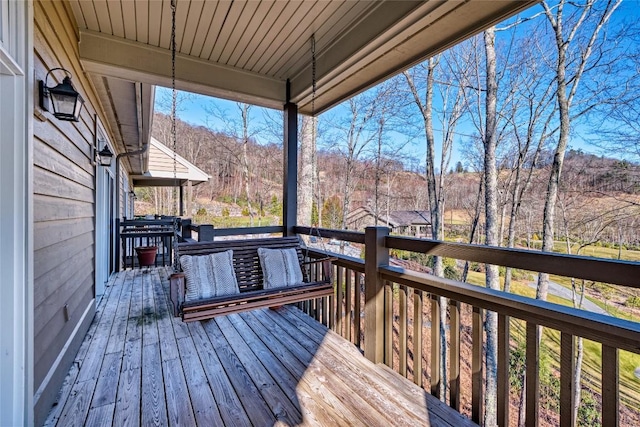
(48, 183)
(49, 208)
(50, 343)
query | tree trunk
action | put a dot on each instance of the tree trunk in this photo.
(307, 169)
(491, 225)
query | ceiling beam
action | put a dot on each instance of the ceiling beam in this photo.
(117, 57)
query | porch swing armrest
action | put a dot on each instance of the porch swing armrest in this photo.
(177, 283)
(327, 269)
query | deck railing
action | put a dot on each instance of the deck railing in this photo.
(383, 310)
(388, 304)
(144, 232)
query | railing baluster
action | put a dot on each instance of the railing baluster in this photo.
(454, 355)
(503, 370)
(533, 374)
(476, 365)
(435, 346)
(357, 310)
(567, 369)
(339, 301)
(347, 304)
(417, 337)
(610, 386)
(402, 330)
(388, 323)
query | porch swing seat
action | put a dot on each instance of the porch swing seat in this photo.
(250, 279)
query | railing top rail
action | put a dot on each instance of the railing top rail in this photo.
(355, 264)
(593, 326)
(349, 236)
(238, 231)
(143, 222)
(626, 273)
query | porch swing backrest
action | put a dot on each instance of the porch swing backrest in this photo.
(249, 275)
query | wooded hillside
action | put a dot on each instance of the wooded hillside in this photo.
(600, 197)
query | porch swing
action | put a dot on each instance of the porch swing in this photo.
(224, 277)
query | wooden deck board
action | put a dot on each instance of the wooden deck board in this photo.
(139, 365)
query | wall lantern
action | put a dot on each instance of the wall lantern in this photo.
(65, 100)
(133, 195)
(105, 155)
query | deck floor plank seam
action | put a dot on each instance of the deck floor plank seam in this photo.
(200, 393)
(352, 379)
(297, 359)
(257, 410)
(228, 403)
(269, 386)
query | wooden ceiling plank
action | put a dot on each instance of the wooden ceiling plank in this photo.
(191, 26)
(142, 21)
(298, 22)
(326, 34)
(102, 13)
(90, 17)
(263, 43)
(155, 19)
(216, 26)
(165, 25)
(77, 13)
(242, 33)
(203, 28)
(239, 59)
(115, 14)
(182, 13)
(299, 40)
(282, 27)
(237, 12)
(129, 19)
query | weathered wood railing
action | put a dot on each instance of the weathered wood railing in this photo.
(207, 232)
(144, 232)
(345, 309)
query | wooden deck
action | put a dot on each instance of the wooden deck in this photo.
(138, 365)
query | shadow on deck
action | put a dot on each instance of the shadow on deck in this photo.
(139, 365)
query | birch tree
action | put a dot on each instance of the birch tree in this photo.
(577, 28)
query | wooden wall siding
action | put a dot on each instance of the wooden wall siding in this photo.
(161, 162)
(64, 212)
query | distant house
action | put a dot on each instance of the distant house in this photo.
(408, 223)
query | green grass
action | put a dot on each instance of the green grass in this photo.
(592, 362)
(593, 251)
(236, 221)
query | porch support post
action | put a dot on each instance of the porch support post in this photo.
(290, 178)
(376, 255)
(181, 211)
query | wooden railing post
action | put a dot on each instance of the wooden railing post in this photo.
(376, 254)
(205, 233)
(185, 232)
(119, 243)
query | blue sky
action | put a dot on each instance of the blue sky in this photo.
(195, 109)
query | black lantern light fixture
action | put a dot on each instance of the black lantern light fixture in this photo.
(65, 100)
(105, 155)
(133, 195)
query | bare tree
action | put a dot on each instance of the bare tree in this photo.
(574, 57)
(307, 174)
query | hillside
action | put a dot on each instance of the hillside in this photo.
(599, 199)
